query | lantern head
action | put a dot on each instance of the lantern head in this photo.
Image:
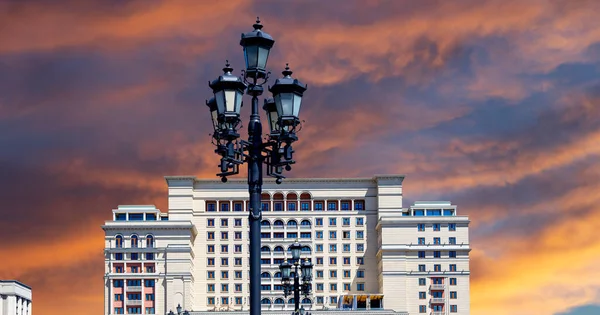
(228, 90)
(257, 45)
(287, 93)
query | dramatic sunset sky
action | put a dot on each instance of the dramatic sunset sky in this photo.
(493, 105)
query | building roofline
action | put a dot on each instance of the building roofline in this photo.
(17, 282)
(292, 180)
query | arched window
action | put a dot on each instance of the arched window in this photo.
(265, 223)
(265, 275)
(306, 301)
(292, 222)
(278, 249)
(265, 302)
(279, 301)
(149, 241)
(277, 275)
(291, 301)
(278, 223)
(265, 249)
(118, 241)
(134, 241)
(305, 249)
(305, 223)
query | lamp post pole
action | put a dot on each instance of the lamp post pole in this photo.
(305, 275)
(276, 152)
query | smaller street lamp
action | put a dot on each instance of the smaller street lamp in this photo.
(178, 309)
(301, 283)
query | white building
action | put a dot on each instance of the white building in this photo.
(369, 252)
(15, 298)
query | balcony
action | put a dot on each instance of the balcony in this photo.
(438, 313)
(131, 288)
(437, 286)
(133, 302)
(438, 300)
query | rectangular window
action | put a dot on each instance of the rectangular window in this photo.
(238, 261)
(346, 248)
(305, 206)
(453, 294)
(224, 248)
(347, 274)
(265, 261)
(224, 274)
(360, 261)
(437, 254)
(319, 287)
(346, 235)
(360, 274)
(452, 281)
(238, 206)
(224, 222)
(224, 300)
(360, 235)
(419, 213)
(224, 235)
(345, 205)
(346, 260)
(119, 297)
(210, 222)
(318, 205)
(421, 227)
(333, 299)
(422, 281)
(332, 248)
(360, 247)
(118, 256)
(452, 254)
(238, 275)
(345, 221)
(437, 268)
(448, 212)
(210, 287)
(238, 248)
(452, 240)
(225, 206)
(278, 235)
(291, 206)
(210, 261)
(333, 274)
(265, 287)
(436, 213)
(452, 227)
(332, 261)
(332, 222)
(332, 206)
(319, 260)
(210, 274)
(210, 235)
(359, 205)
(265, 235)
(452, 267)
(360, 221)
(265, 206)
(150, 269)
(319, 221)
(319, 299)
(422, 308)
(120, 217)
(421, 268)
(224, 288)
(437, 241)
(422, 295)
(135, 256)
(238, 301)
(436, 226)
(319, 248)
(421, 241)
(421, 254)
(136, 217)
(333, 287)
(346, 286)
(211, 207)
(305, 235)
(453, 308)
(292, 235)
(238, 287)
(332, 235)
(238, 235)
(238, 222)
(319, 274)
(278, 206)
(210, 301)
(150, 217)
(319, 235)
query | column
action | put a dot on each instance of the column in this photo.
(18, 305)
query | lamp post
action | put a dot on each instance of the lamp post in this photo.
(275, 152)
(296, 287)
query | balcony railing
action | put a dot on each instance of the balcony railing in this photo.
(438, 300)
(438, 313)
(437, 286)
(133, 302)
(134, 288)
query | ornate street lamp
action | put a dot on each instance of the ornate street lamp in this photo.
(301, 283)
(276, 152)
(178, 309)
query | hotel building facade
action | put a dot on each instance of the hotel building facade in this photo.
(15, 298)
(369, 253)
